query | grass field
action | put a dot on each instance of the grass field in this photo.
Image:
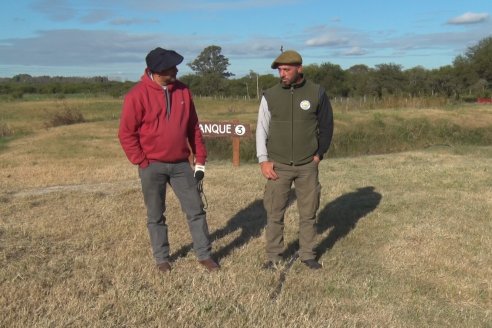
(404, 238)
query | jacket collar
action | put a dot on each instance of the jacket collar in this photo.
(294, 85)
(147, 79)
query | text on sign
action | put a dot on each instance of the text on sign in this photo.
(224, 129)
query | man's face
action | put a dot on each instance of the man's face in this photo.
(166, 77)
(290, 74)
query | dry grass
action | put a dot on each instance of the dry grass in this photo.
(404, 240)
(31, 115)
(468, 116)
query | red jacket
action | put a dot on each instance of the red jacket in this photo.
(147, 135)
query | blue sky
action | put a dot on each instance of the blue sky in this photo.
(111, 37)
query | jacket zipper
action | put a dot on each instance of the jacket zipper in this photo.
(292, 125)
(167, 103)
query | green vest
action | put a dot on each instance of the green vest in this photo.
(293, 129)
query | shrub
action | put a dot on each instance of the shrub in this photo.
(5, 130)
(65, 116)
(17, 94)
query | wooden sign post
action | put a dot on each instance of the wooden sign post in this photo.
(233, 129)
(235, 151)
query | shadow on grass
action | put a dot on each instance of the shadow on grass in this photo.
(250, 221)
(342, 214)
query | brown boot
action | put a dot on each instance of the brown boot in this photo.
(164, 267)
(210, 264)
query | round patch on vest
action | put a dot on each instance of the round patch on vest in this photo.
(305, 104)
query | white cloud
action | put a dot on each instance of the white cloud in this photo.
(469, 18)
(96, 16)
(355, 51)
(193, 5)
(56, 10)
(75, 47)
(326, 40)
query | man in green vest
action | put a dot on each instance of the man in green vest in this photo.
(294, 131)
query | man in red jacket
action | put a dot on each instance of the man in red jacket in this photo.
(158, 127)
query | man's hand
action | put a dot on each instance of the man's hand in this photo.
(268, 171)
(316, 159)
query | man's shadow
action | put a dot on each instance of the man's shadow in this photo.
(342, 214)
(250, 221)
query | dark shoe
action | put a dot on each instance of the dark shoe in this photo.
(210, 264)
(270, 265)
(164, 267)
(312, 264)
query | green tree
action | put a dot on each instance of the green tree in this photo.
(358, 78)
(330, 76)
(257, 83)
(480, 59)
(388, 79)
(465, 75)
(192, 80)
(267, 81)
(418, 81)
(444, 81)
(211, 68)
(211, 62)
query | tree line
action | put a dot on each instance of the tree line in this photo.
(21, 84)
(467, 78)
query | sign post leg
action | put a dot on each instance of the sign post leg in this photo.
(235, 151)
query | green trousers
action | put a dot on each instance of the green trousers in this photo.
(276, 198)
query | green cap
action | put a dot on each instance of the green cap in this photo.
(288, 57)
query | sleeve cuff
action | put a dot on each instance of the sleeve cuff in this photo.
(200, 160)
(144, 164)
(262, 158)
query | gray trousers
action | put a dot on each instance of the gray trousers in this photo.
(308, 189)
(154, 179)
